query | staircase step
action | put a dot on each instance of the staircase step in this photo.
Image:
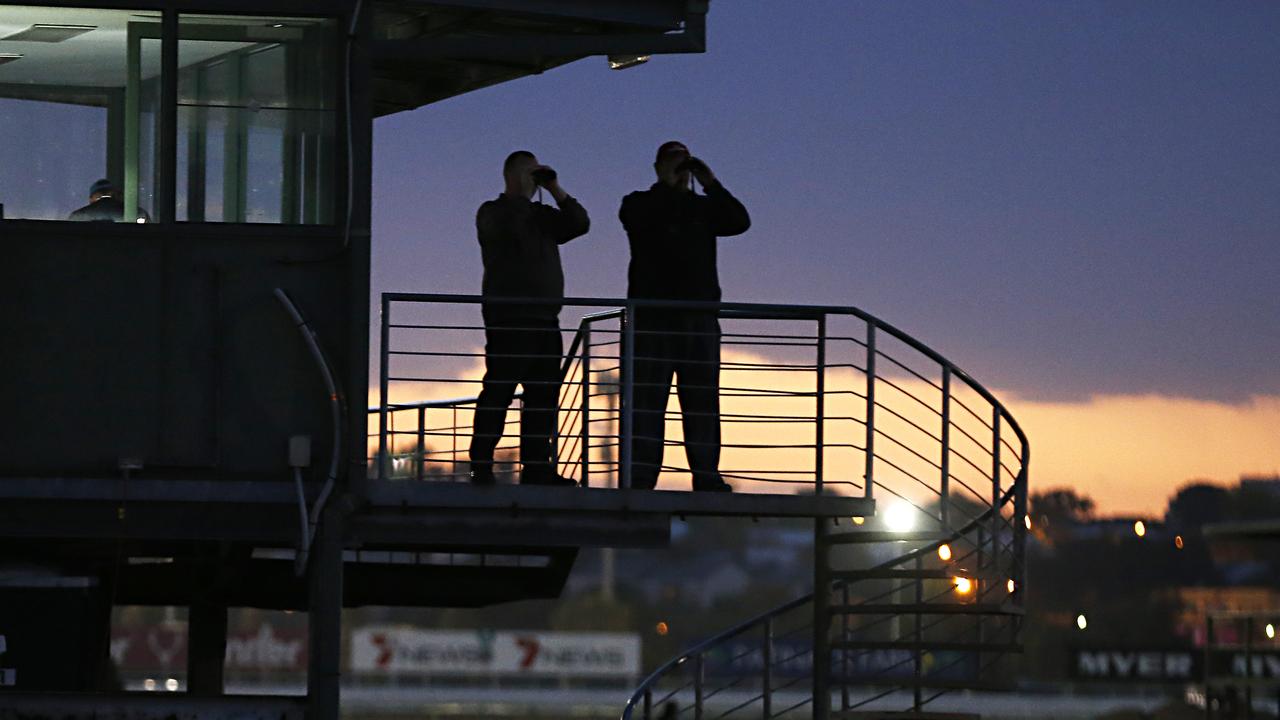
(940, 646)
(928, 609)
(908, 574)
(885, 536)
(906, 714)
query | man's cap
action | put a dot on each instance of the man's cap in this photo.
(102, 186)
(670, 146)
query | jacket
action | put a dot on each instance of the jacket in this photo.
(673, 234)
(520, 245)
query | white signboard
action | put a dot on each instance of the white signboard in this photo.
(396, 650)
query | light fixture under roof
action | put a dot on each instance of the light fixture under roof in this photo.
(9, 57)
(49, 33)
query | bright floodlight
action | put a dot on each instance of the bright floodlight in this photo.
(1026, 519)
(900, 517)
(1011, 585)
(1082, 622)
(171, 685)
(944, 552)
(1271, 631)
(1139, 528)
(963, 585)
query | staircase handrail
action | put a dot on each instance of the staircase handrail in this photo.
(652, 679)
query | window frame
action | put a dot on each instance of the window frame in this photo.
(165, 207)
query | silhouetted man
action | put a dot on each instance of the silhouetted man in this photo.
(104, 205)
(519, 241)
(672, 231)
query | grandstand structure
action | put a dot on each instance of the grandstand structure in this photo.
(185, 387)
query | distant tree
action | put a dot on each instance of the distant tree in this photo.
(1060, 506)
(1197, 504)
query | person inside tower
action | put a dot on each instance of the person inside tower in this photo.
(520, 246)
(672, 232)
(105, 205)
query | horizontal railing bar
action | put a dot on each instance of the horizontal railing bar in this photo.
(911, 371)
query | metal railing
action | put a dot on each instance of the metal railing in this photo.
(820, 399)
(810, 397)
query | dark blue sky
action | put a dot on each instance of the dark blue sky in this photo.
(1064, 198)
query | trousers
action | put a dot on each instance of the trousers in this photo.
(519, 352)
(684, 346)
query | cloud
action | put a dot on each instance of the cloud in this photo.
(1131, 452)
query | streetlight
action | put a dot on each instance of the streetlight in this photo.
(900, 517)
(1139, 528)
(944, 552)
(1271, 631)
(1082, 622)
(1011, 586)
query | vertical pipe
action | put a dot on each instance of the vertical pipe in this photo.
(628, 392)
(648, 704)
(698, 677)
(820, 406)
(821, 621)
(422, 442)
(586, 405)
(766, 678)
(871, 410)
(384, 360)
(944, 490)
(996, 517)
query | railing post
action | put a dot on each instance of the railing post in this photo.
(698, 674)
(917, 651)
(766, 678)
(586, 406)
(383, 384)
(422, 443)
(996, 517)
(648, 703)
(628, 392)
(844, 648)
(944, 488)
(820, 409)
(453, 452)
(871, 410)
(821, 621)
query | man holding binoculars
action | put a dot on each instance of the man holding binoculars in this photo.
(519, 243)
(672, 231)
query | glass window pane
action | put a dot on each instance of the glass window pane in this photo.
(79, 100)
(256, 119)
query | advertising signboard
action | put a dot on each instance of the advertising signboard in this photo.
(400, 650)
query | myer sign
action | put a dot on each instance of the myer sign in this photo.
(1149, 665)
(410, 651)
(1173, 666)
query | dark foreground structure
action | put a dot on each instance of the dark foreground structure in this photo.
(184, 389)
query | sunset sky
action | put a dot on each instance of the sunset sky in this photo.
(1078, 202)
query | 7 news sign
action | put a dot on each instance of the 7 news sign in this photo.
(397, 650)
